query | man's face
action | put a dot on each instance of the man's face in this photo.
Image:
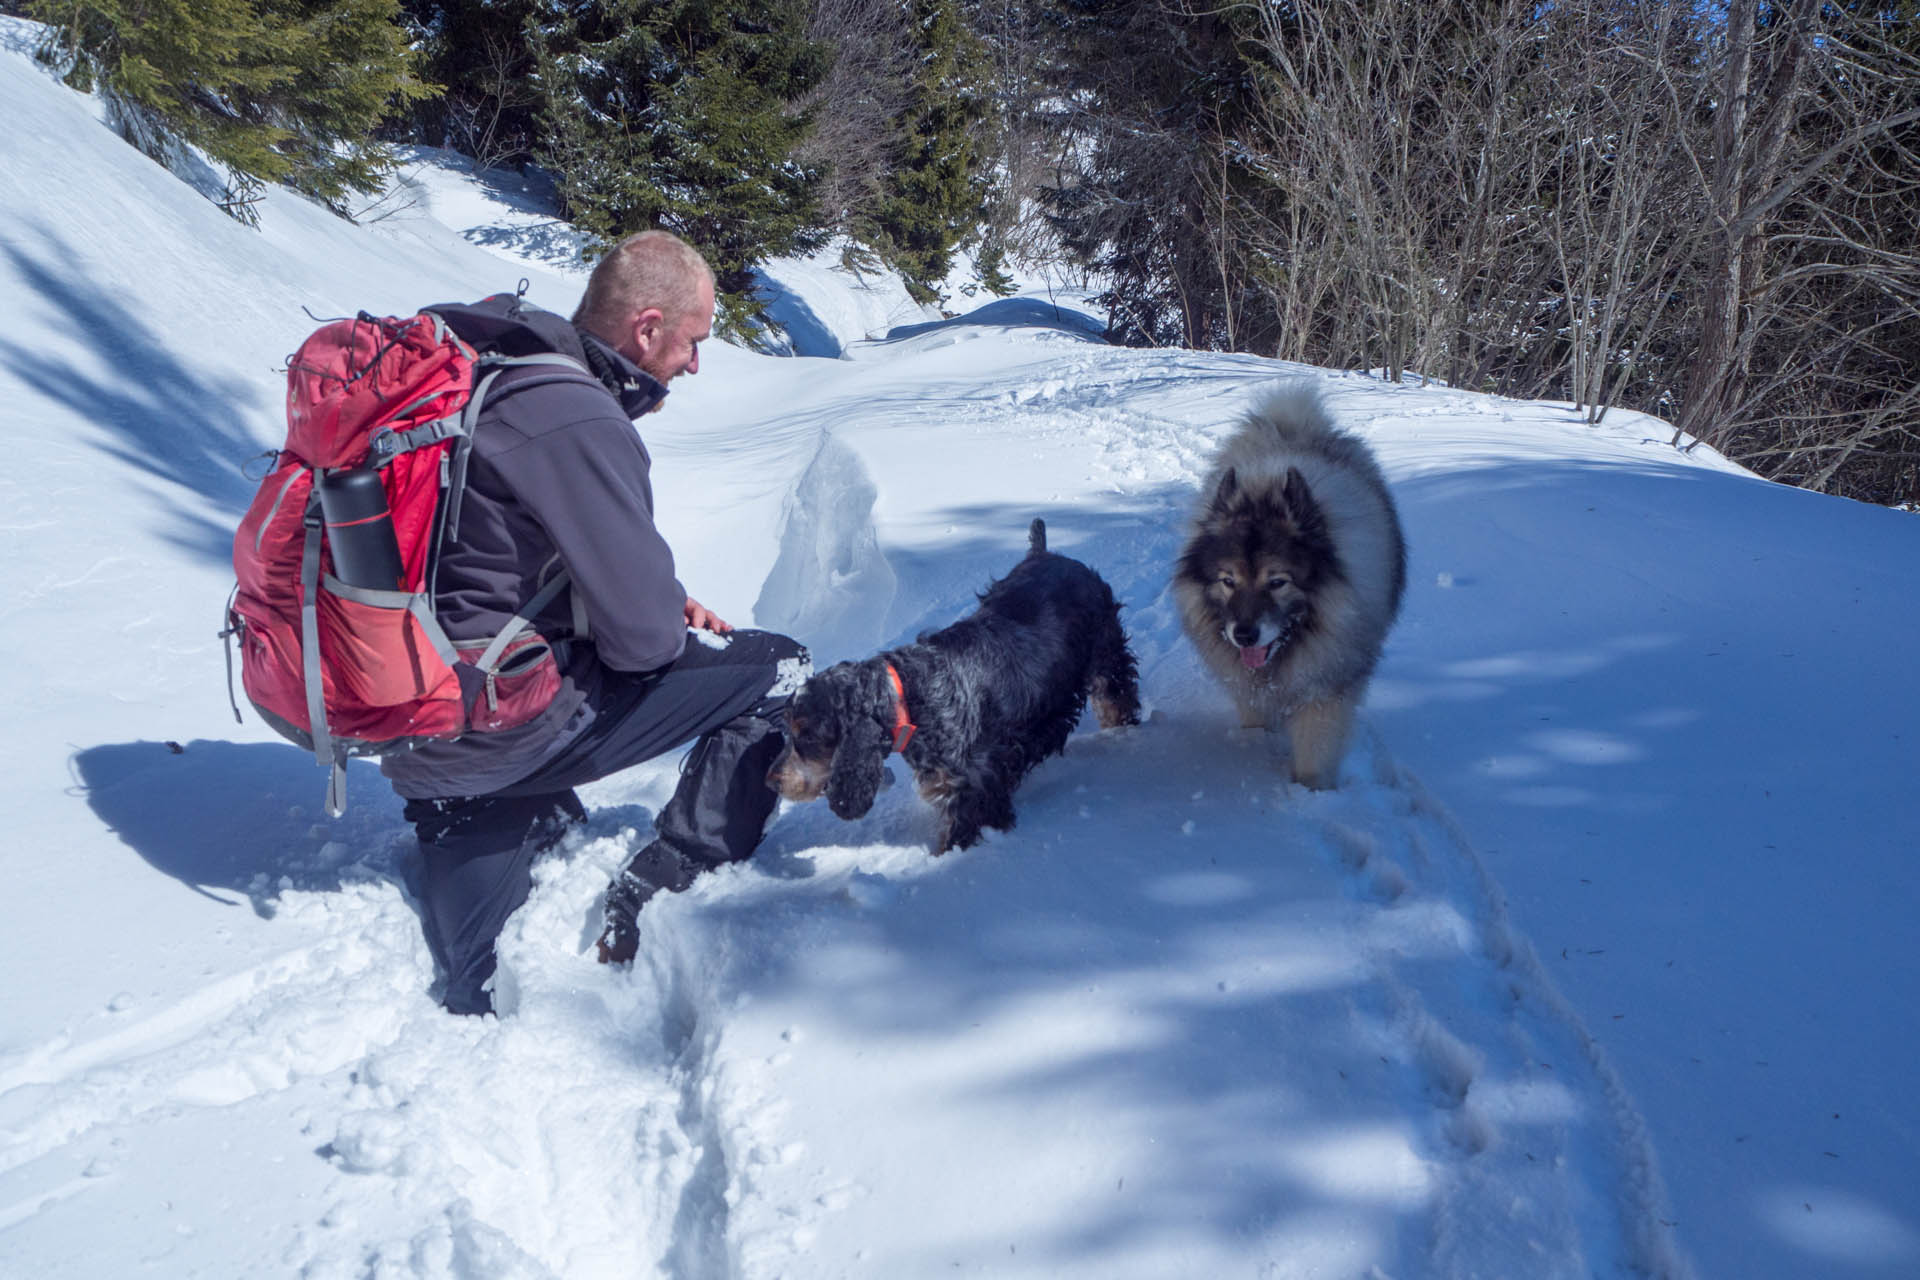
(666, 346)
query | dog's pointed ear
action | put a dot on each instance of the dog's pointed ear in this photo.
(1225, 492)
(859, 763)
(1301, 504)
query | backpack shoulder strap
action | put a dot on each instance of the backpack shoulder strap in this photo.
(487, 371)
(488, 368)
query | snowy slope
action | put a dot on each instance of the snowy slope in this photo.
(1593, 966)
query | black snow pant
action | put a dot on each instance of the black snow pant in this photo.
(477, 851)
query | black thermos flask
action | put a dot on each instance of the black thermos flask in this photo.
(360, 529)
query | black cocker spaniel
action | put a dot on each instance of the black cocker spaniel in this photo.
(971, 708)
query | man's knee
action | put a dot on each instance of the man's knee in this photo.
(788, 663)
(786, 647)
(456, 831)
(768, 648)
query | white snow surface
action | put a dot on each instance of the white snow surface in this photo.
(1598, 963)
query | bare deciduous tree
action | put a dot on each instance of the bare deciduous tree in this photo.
(498, 90)
(1809, 327)
(1704, 213)
(857, 107)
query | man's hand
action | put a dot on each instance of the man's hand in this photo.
(700, 618)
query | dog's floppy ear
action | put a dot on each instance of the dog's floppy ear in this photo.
(1225, 492)
(859, 763)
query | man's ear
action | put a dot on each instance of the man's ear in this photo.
(648, 327)
(859, 763)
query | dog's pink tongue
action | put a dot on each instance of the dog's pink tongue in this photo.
(1253, 655)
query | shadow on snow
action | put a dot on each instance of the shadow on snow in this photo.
(1011, 313)
(151, 408)
(235, 820)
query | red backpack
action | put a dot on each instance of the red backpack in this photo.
(346, 670)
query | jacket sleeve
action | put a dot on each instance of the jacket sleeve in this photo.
(585, 476)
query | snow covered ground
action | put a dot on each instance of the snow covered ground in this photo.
(1598, 963)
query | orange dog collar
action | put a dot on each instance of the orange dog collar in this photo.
(903, 728)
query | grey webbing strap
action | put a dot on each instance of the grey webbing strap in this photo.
(581, 628)
(457, 481)
(226, 647)
(487, 371)
(310, 635)
(337, 789)
(226, 643)
(391, 444)
(413, 602)
(365, 595)
(581, 631)
(422, 610)
(538, 357)
(520, 622)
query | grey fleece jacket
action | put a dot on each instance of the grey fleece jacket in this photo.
(558, 477)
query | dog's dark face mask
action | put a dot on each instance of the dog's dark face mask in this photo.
(800, 771)
(835, 745)
(1259, 559)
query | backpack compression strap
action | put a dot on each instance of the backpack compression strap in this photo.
(487, 371)
(323, 751)
(561, 368)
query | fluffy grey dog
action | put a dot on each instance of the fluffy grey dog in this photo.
(1292, 575)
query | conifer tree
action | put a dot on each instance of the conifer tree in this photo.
(271, 90)
(1153, 93)
(678, 114)
(935, 195)
(479, 52)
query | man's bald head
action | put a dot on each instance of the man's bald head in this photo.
(651, 269)
(651, 299)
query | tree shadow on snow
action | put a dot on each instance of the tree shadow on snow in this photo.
(530, 190)
(150, 408)
(1151, 899)
(243, 821)
(787, 312)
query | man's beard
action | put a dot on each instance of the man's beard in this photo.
(656, 368)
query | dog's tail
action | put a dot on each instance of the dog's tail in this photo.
(1036, 536)
(1294, 410)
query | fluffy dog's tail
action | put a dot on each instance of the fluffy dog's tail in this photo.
(1295, 411)
(1036, 536)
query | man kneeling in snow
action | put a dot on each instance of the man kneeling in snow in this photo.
(559, 478)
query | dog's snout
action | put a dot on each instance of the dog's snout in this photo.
(795, 777)
(1245, 633)
(782, 763)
